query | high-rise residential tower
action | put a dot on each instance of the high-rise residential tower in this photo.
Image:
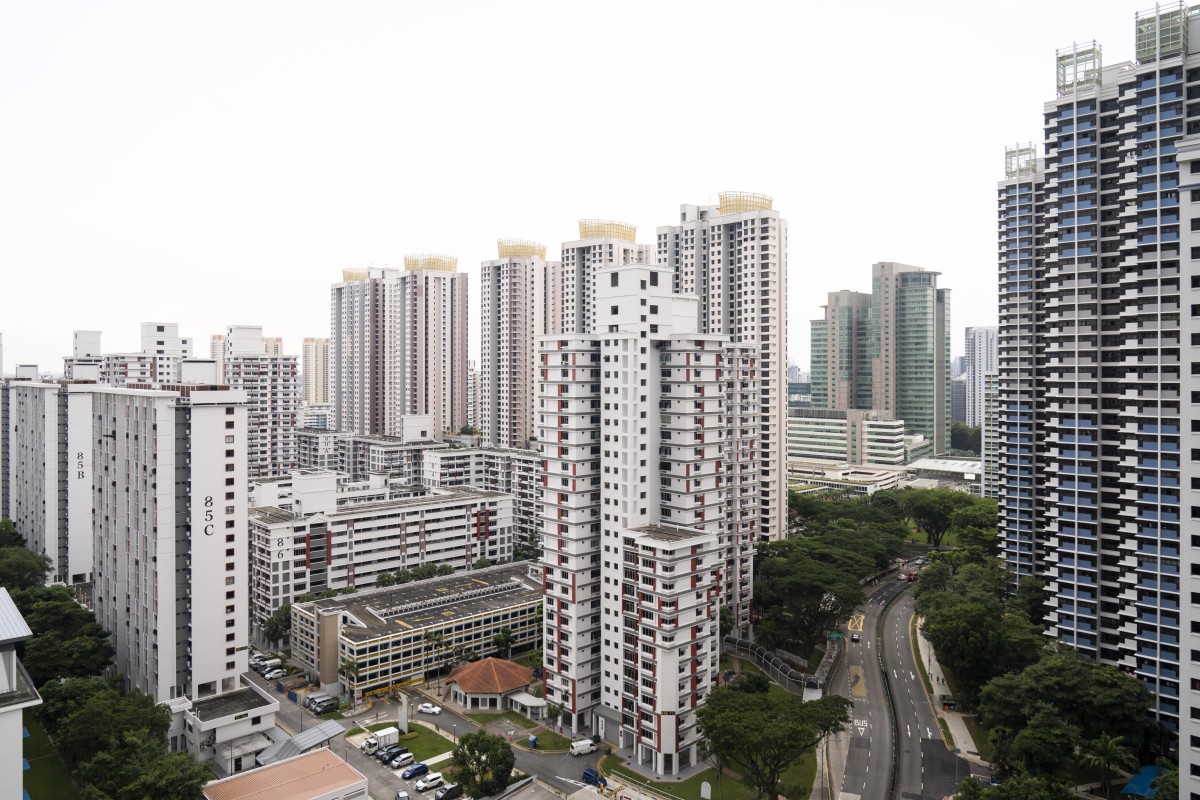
(314, 367)
(980, 359)
(648, 435)
(601, 243)
(399, 346)
(733, 258)
(517, 290)
(169, 528)
(272, 391)
(1095, 476)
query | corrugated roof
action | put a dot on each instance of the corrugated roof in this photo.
(12, 624)
(301, 778)
(305, 740)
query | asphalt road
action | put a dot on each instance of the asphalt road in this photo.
(560, 770)
(868, 759)
(925, 767)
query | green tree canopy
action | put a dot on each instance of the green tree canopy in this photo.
(67, 641)
(1022, 787)
(1094, 698)
(8, 534)
(136, 765)
(106, 714)
(767, 733)
(21, 568)
(62, 698)
(965, 438)
(278, 625)
(503, 641)
(483, 763)
(1046, 745)
(933, 509)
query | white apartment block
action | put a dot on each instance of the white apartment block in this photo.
(48, 440)
(733, 258)
(846, 436)
(647, 433)
(272, 389)
(169, 528)
(127, 369)
(473, 390)
(319, 415)
(86, 356)
(314, 367)
(981, 358)
(428, 308)
(990, 435)
(399, 346)
(216, 351)
(162, 341)
(513, 472)
(337, 534)
(515, 312)
(601, 243)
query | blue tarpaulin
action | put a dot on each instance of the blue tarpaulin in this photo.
(1139, 784)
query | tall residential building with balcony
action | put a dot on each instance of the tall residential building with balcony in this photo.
(601, 243)
(399, 346)
(1093, 475)
(733, 258)
(517, 290)
(271, 383)
(648, 431)
(314, 369)
(47, 488)
(169, 527)
(980, 359)
(990, 435)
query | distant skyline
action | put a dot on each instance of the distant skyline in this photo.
(221, 163)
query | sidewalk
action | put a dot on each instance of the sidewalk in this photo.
(963, 743)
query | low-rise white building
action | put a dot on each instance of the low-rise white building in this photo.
(375, 640)
(17, 693)
(853, 436)
(329, 534)
(230, 729)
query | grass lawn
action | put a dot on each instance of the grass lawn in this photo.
(424, 743)
(547, 740)
(980, 736)
(510, 715)
(48, 777)
(374, 726)
(798, 780)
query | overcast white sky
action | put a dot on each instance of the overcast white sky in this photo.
(221, 162)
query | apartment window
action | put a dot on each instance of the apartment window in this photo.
(613, 309)
(229, 423)
(229, 410)
(653, 279)
(612, 279)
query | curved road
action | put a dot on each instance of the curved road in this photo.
(869, 757)
(925, 766)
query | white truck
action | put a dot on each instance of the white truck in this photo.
(380, 739)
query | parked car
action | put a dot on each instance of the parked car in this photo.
(448, 792)
(388, 752)
(594, 778)
(429, 781)
(274, 675)
(583, 747)
(429, 708)
(326, 705)
(401, 760)
(415, 771)
(401, 795)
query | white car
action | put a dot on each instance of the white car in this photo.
(429, 781)
(274, 675)
(429, 708)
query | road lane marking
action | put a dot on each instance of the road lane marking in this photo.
(856, 623)
(858, 682)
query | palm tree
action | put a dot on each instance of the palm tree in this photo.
(503, 641)
(1109, 753)
(1004, 760)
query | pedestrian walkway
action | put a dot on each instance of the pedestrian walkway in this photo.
(961, 734)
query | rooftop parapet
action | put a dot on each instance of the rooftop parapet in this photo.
(520, 248)
(738, 202)
(607, 229)
(431, 261)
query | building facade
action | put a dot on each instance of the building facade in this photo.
(169, 530)
(314, 369)
(841, 352)
(272, 387)
(859, 437)
(733, 258)
(649, 441)
(980, 359)
(516, 296)
(1092, 477)
(339, 536)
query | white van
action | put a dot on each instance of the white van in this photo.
(583, 747)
